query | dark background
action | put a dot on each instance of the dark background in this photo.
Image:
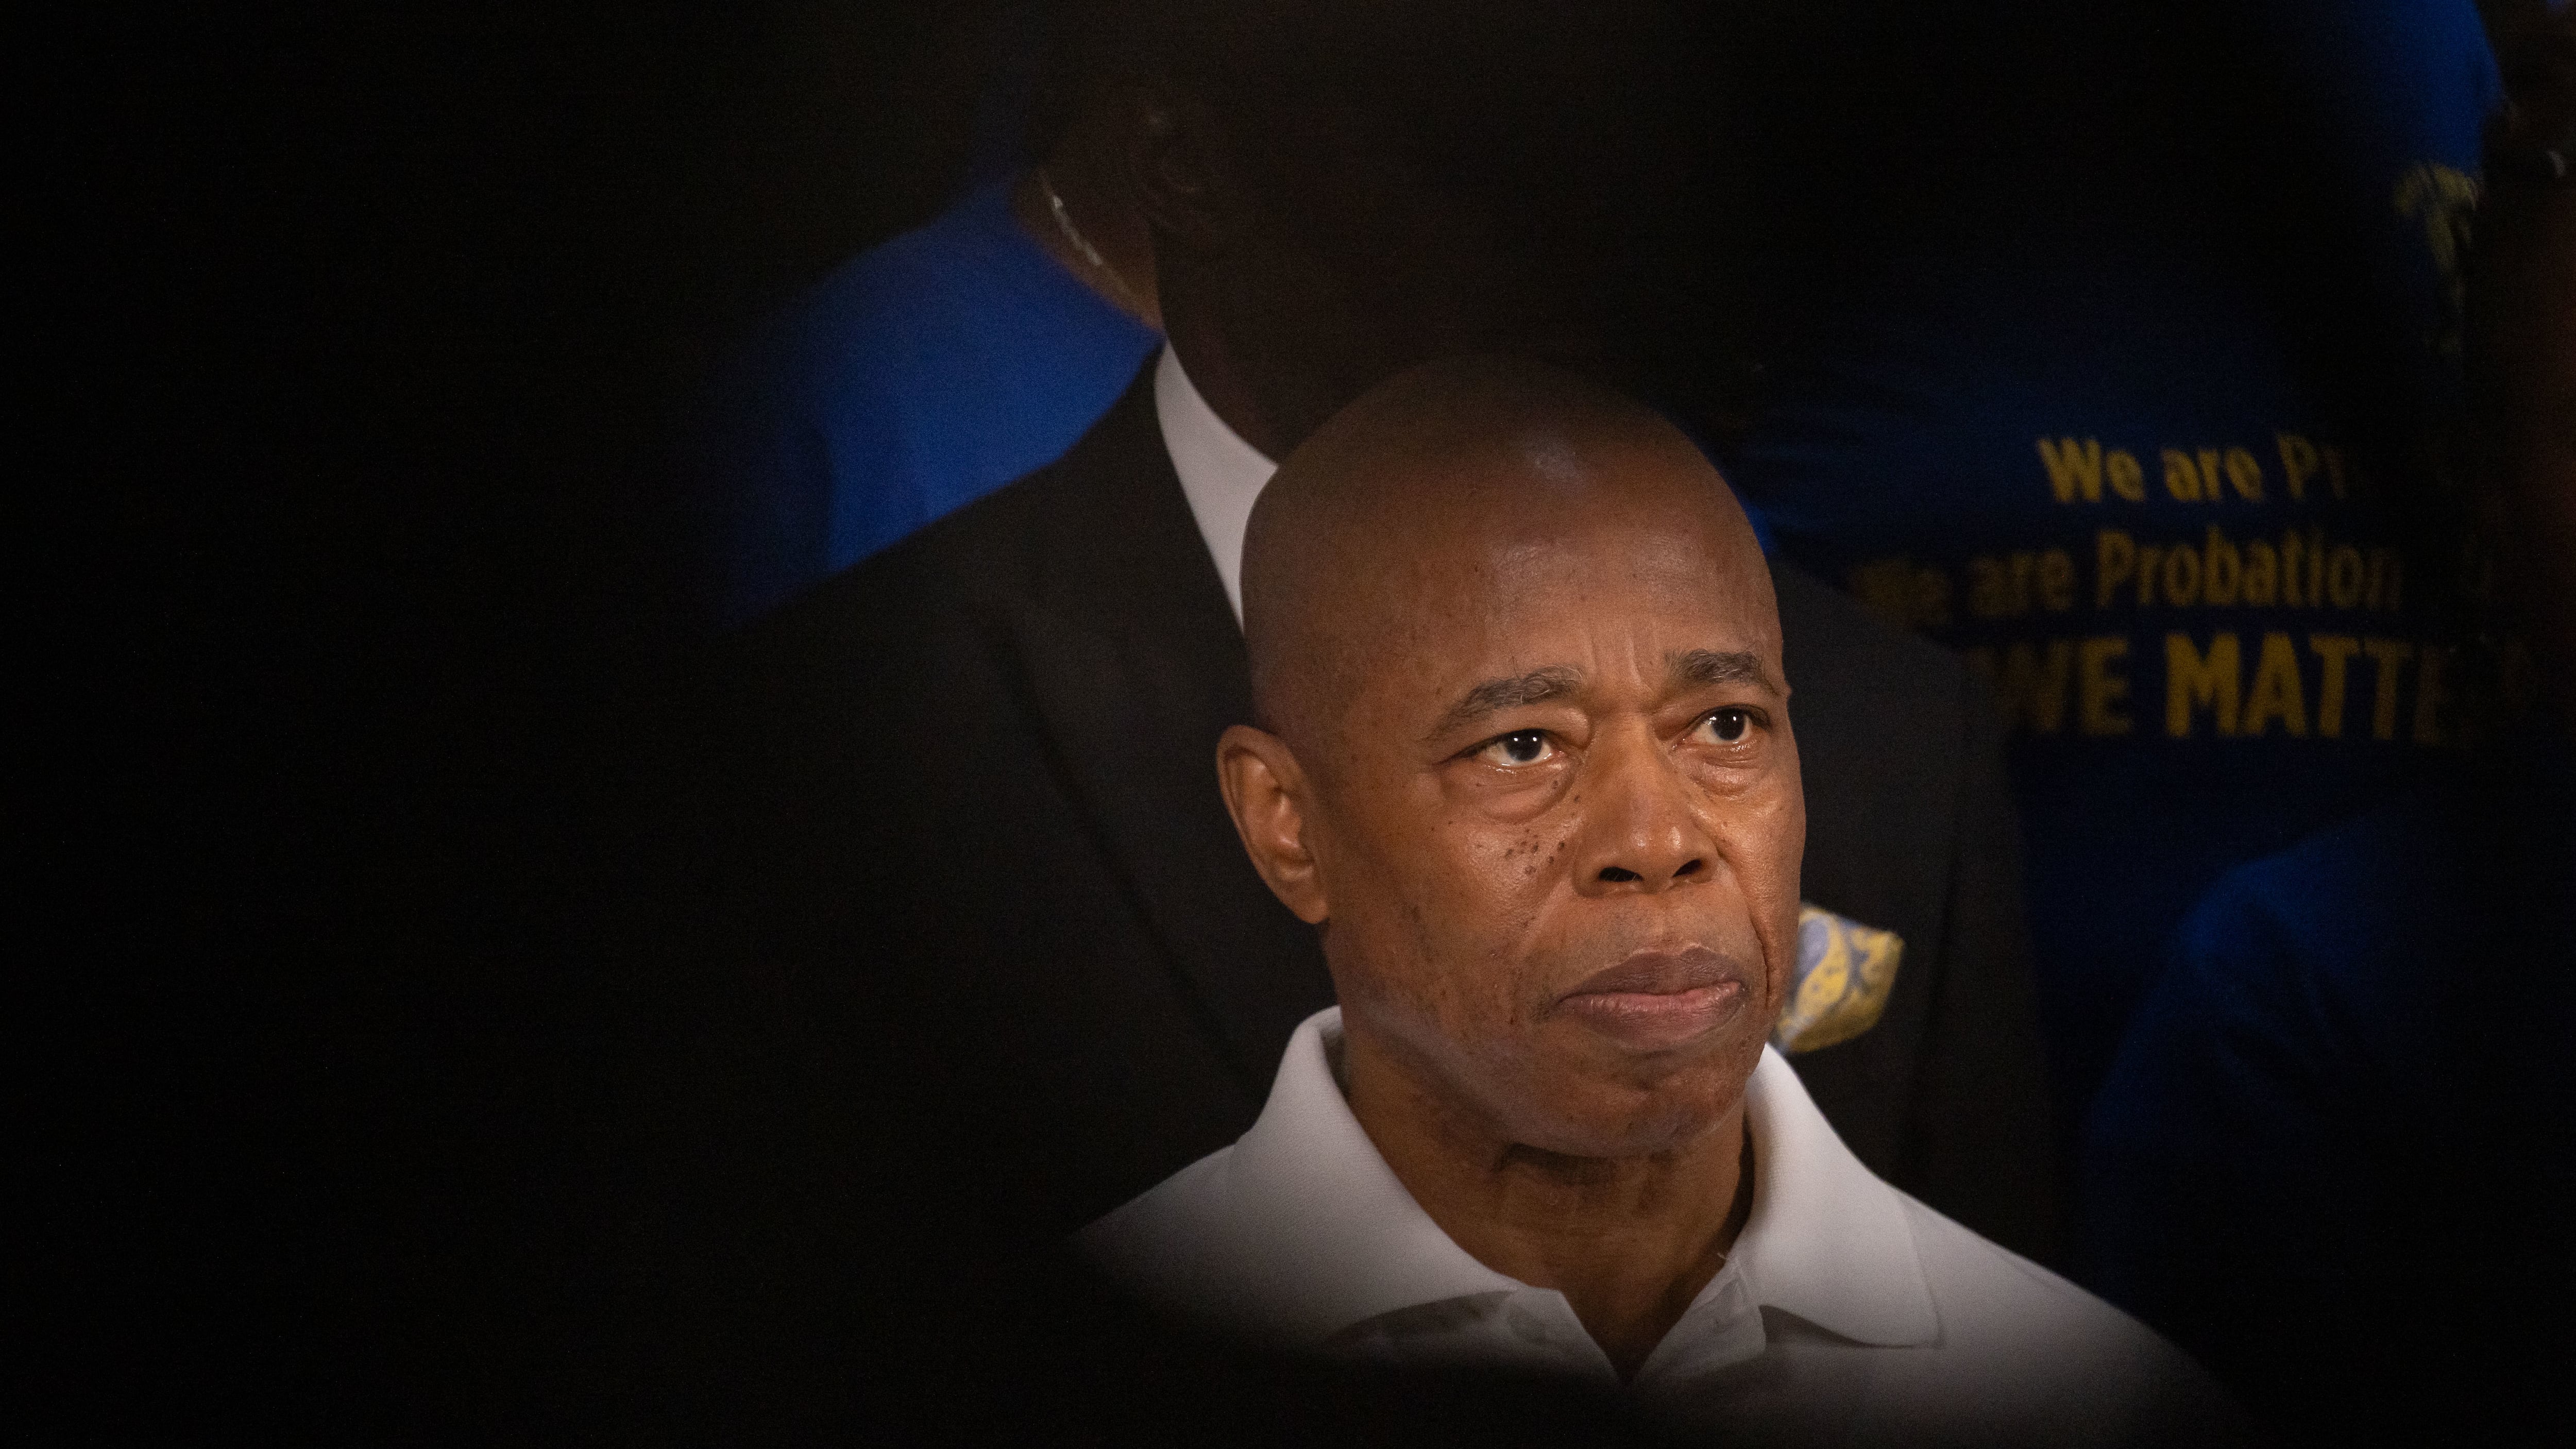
(363, 335)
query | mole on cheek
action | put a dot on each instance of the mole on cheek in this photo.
(1528, 846)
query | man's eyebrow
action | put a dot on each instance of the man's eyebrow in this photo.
(1719, 666)
(1502, 694)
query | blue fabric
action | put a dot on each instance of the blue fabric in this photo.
(917, 378)
(2340, 1142)
(1984, 426)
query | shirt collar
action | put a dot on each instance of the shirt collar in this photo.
(1827, 1239)
(1342, 1238)
(1344, 1242)
(1220, 473)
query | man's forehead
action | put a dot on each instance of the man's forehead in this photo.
(1526, 536)
(1501, 589)
(1513, 575)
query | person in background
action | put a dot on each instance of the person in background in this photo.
(2109, 361)
(2347, 1105)
(932, 369)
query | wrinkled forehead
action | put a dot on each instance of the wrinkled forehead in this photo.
(1511, 579)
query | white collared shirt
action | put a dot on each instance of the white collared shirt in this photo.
(1221, 474)
(1845, 1311)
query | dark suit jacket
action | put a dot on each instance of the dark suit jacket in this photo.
(995, 911)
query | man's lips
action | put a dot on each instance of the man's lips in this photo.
(1659, 1000)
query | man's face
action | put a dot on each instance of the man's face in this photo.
(1559, 822)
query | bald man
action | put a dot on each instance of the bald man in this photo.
(970, 860)
(1525, 758)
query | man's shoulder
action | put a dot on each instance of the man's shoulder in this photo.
(1986, 1294)
(1079, 511)
(960, 267)
(1165, 1245)
(2033, 1336)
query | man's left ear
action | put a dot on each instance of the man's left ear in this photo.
(1266, 793)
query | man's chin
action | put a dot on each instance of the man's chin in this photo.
(1634, 1106)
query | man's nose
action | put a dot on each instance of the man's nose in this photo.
(1641, 830)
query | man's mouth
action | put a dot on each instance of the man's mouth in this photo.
(1658, 1000)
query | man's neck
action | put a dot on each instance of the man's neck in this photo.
(1629, 1241)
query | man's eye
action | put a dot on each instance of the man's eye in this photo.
(1727, 726)
(1520, 747)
